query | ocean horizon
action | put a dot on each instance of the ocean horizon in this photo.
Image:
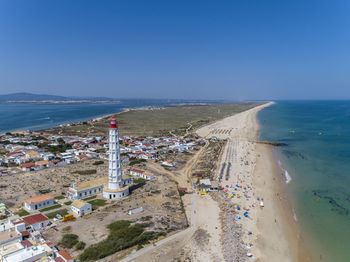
(316, 169)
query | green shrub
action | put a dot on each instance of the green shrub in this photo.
(59, 197)
(122, 235)
(68, 203)
(139, 180)
(97, 203)
(50, 208)
(86, 172)
(99, 162)
(80, 245)
(134, 161)
(69, 240)
(22, 212)
(88, 198)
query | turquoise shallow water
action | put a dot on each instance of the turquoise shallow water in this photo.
(317, 160)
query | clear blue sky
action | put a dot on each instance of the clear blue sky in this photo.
(247, 49)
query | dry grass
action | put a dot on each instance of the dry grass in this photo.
(177, 120)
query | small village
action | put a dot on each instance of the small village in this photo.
(23, 227)
(33, 152)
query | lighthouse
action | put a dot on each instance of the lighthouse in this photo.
(117, 186)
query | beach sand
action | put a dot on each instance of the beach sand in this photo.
(254, 175)
(215, 233)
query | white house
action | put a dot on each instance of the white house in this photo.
(26, 167)
(141, 173)
(20, 160)
(25, 251)
(39, 202)
(168, 163)
(36, 221)
(80, 207)
(48, 156)
(86, 189)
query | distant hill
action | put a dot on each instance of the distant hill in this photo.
(53, 99)
(43, 98)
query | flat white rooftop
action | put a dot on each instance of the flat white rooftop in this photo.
(25, 254)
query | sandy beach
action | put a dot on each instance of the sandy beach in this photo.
(251, 219)
(254, 186)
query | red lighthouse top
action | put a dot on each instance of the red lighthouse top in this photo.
(113, 123)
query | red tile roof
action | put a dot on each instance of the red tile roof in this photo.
(58, 259)
(34, 219)
(13, 153)
(18, 222)
(65, 255)
(137, 170)
(25, 234)
(28, 165)
(26, 243)
(38, 199)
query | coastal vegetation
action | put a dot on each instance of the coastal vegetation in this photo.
(165, 121)
(122, 235)
(86, 172)
(99, 162)
(135, 161)
(139, 180)
(69, 240)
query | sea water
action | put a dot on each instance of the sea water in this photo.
(40, 116)
(317, 170)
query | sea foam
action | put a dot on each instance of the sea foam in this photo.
(288, 177)
(295, 216)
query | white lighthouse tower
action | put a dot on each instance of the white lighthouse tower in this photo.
(117, 186)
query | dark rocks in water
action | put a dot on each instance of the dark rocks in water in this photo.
(290, 153)
(333, 199)
(272, 143)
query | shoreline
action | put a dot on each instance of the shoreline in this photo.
(279, 183)
(97, 118)
(275, 234)
(26, 130)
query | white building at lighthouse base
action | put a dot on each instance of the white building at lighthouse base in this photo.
(121, 192)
